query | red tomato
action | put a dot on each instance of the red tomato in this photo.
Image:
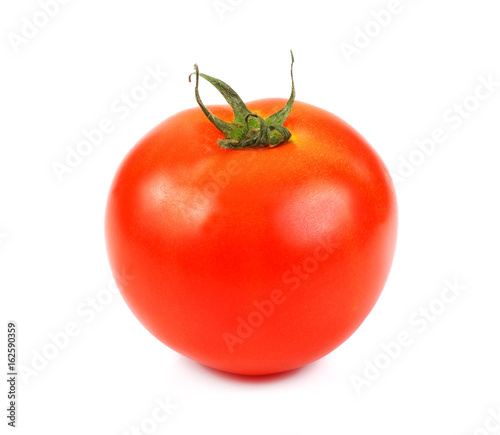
(252, 261)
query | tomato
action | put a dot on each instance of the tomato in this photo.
(256, 260)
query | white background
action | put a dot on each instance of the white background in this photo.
(397, 89)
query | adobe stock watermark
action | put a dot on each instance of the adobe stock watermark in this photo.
(452, 119)
(222, 7)
(491, 423)
(418, 322)
(160, 413)
(371, 29)
(199, 198)
(3, 237)
(31, 26)
(58, 341)
(292, 279)
(120, 109)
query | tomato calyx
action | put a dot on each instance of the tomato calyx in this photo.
(248, 130)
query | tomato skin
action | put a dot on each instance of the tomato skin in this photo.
(208, 235)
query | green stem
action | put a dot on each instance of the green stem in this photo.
(248, 130)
